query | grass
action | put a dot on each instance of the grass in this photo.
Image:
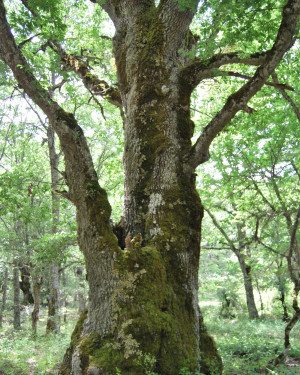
(245, 346)
(248, 346)
(23, 354)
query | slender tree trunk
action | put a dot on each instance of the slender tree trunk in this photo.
(25, 284)
(53, 323)
(293, 261)
(65, 311)
(17, 309)
(285, 315)
(246, 270)
(260, 296)
(4, 295)
(295, 318)
(37, 282)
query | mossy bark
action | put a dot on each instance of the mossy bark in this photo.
(152, 325)
(143, 306)
(155, 318)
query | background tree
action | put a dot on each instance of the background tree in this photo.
(241, 250)
(258, 171)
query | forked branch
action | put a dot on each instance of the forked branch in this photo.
(71, 62)
(238, 101)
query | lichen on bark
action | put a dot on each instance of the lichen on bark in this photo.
(148, 318)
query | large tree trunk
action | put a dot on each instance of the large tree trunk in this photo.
(153, 307)
(143, 299)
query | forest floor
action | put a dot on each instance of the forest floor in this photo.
(245, 346)
(22, 353)
(248, 347)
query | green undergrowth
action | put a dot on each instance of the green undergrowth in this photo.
(23, 354)
(247, 347)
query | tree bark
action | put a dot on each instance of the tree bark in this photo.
(81, 296)
(4, 295)
(17, 308)
(163, 211)
(143, 299)
(81, 302)
(246, 270)
(260, 297)
(25, 285)
(53, 322)
(285, 315)
(294, 270)
(37, 282)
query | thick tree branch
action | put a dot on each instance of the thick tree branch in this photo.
(238, 101)
(78, 160)
(122, 10)
(15, 60)
(176, 23)
(197, 70)
(89, 79)
(73, 63)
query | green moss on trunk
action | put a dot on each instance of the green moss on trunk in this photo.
(65, 368)
(211, 361)
(149, 322)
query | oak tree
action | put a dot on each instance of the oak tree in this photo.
(143, 299)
